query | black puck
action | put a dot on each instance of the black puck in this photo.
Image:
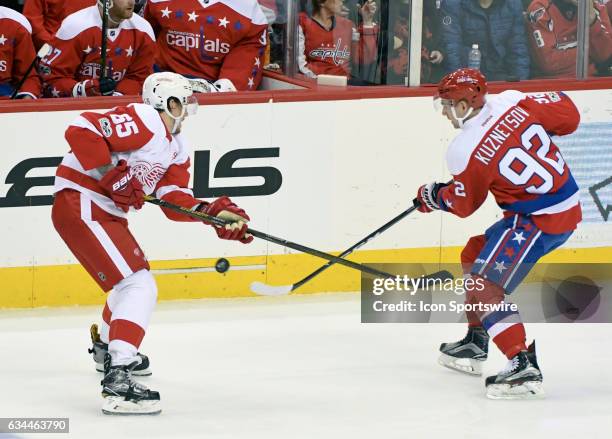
(222, 265)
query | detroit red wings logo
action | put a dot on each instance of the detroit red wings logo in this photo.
(148, 174)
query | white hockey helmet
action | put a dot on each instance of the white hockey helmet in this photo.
(159, 88)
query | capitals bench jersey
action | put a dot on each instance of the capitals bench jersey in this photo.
(136, 134)
(16, 54)
(554, 39)
(76, 53)
(330, 52)
(210, 39)
(507, 149)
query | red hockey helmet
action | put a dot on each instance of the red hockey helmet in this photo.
(468, 84)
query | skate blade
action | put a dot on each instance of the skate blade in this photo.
(526, 390)
(465, 365)
(116, 405)
(141, 373)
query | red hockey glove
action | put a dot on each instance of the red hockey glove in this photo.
(427, 197)
(225, 209)
(94, 87)
(123, 188)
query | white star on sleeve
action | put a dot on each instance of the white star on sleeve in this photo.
(257, 62)
(129, 51)
(518, 237)
(55, 92)
(223, 22)
(3, 39)
(87, 50)
(499, 266)
(193, 16)
(166, 12)
(251, 83)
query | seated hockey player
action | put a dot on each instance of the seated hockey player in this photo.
(505, 148)
(16, 55)
(115, 158)
(221, 43)
(73, 67)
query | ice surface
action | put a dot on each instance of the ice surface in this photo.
(300, 367)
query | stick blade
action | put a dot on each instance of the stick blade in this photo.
(270, 290)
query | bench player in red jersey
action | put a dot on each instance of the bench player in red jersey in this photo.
(73, 66)
(505, 148)
(115, 158)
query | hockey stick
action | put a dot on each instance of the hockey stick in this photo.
(261, 235)
(270, 290)
(42, 52)
(104, 39)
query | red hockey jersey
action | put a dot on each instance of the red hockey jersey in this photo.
(47, 15)
(506, 149)
(136, 134)
(323, 51)
(76, 53)
(16, 54)
(213, 39)
(554, 41)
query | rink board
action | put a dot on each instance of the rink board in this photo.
(322, 173)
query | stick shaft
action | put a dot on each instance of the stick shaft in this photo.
(355, 246)
(280, 241)
(104, 39)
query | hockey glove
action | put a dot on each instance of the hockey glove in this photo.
(94, 87)
(122, 187)
(427, 197)
(237, 218)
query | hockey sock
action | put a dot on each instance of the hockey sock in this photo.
(503, 325)
(136, 297)
(107, 314)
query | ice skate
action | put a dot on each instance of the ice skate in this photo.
(99, 349)
(521, 379)
(467, 355)
(124, 396)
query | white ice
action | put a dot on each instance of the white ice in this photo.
(300, 367)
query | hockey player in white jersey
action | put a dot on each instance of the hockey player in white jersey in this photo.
(115, 159)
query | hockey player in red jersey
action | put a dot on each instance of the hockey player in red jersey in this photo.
(16, 55)
(115, 158)
(554, 39)
(221, 43)
(328, 42)
(73, 67)
(505, 148)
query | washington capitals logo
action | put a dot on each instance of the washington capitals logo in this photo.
(338, 56)
(148, 174)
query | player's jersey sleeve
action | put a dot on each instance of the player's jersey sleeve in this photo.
(173, 186)
(34, 10)
(243, 65)
(94, 136)
(471, 181)
(554, 110)
(66, 57)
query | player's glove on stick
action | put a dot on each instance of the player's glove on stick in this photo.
(122, 187)
(225, 209)
(94, 87)
(427, 197)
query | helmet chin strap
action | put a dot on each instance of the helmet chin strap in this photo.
(461, 120)
(177, 119)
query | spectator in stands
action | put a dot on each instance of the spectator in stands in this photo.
(553, 25)
(73, 67)
(16, 55)
(15, 5)
(47, 15)
(222, 44)
(432, 54)
(328, 42)
(497, 26)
